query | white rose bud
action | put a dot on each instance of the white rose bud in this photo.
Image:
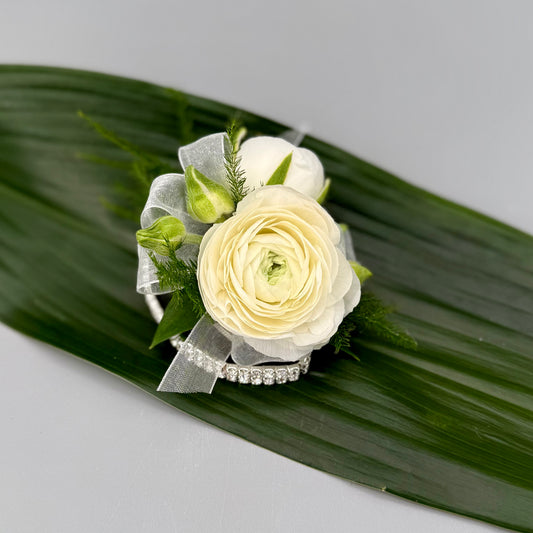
(261, 156)
(274, 273)
(207, 200)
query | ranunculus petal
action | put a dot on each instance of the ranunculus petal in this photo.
(274, 273)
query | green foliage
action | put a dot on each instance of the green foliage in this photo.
(184, 122)
(360, 271)
(179, 276)
(369, 319)
(130, 195)
(279, 175)
(234, 173)
(449, 425)
(176, 320)
(324, 192)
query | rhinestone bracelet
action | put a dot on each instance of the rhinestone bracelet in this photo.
(245, 374)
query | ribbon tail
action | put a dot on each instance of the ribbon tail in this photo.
(199, 360)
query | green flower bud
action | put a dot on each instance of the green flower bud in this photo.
(207, 200)
(164, 234)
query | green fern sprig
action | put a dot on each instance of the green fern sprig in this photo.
(369, 320)
(235, 177)
(179, 276)
(184, 121)
(132, 189)
(118, 141)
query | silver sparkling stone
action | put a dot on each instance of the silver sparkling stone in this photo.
(199, 358)
(209, 365)
(304, 364)
(281, 375)
(294, 372)
(244, 375)
(232, 374)
(256, 376)
(269, 376)
(218, 368)
(189, 353)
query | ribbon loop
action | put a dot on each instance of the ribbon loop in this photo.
(206, 155)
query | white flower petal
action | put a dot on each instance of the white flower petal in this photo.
(274, 273)
(261, 156)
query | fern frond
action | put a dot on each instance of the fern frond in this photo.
(183, 117)
(143, 167)
(235, 178)
(179, 276)
(370, 319)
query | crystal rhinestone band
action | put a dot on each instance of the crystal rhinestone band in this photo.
(253, 375)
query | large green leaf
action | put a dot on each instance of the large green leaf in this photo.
(449, 425)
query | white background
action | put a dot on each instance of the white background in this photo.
(439, 92)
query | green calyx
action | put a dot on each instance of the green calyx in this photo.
(360, 271)
(207, 200)
(324, 192)
(279, 175)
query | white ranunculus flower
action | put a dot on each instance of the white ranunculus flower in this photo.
(261, 156)
(275, 275)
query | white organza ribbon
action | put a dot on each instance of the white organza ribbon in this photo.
(167, 197)
(200, 358)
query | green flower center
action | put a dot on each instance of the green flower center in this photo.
(273, 267)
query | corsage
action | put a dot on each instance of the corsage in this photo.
(260, 275)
